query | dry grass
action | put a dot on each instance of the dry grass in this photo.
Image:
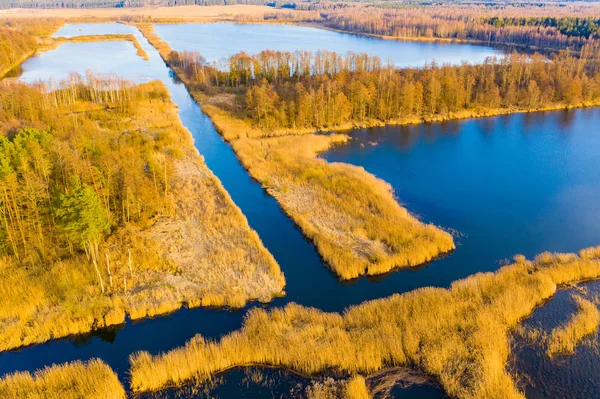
(186, 13)
(91, 380)
(457, 335)
(199, 252)
(353, 218)
(564, 339)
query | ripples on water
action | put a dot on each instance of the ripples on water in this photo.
(511, 184)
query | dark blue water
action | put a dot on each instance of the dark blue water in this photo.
(521, 183)
(573, 376)
(524, 183)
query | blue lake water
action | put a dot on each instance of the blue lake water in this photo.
(516, 184)
(511, 184)
(221, 40)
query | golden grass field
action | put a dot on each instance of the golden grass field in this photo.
(188, 13)
(199, 252)
(460, 335)
(76, 380)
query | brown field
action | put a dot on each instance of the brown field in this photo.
(187, 13)
(457, 335)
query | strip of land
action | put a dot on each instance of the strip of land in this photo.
(108, 209)
(97, 38)
(76, 380)
(352, 217)
(457, 335)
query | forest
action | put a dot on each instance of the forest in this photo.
(119, 3)
(325, 89)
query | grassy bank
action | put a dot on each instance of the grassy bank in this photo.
(457, 335)
(351, 216)
(19, 40)
(170, 234)
(91, 380)
(564, 339)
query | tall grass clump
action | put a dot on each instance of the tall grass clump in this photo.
(457, 335)
(564, 339)
(76, 380)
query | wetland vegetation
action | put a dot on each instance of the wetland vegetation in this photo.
(458, 335)
(352, 217)
(109, 212)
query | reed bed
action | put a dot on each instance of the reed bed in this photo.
(352, 217)
(564, 339)
(76, 380)
(457, 335)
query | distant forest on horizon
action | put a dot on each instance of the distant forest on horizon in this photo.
(4, 4)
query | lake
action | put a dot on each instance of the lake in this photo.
(522, 183)
(219, 41)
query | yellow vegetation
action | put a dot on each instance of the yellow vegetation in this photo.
(77, 380)
(196, 247)
(458, 335)
(564, 339)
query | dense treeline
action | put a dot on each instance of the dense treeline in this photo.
(100, 187)
(302, 89)
(586, 27)
(562, 32)
(50, 177)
